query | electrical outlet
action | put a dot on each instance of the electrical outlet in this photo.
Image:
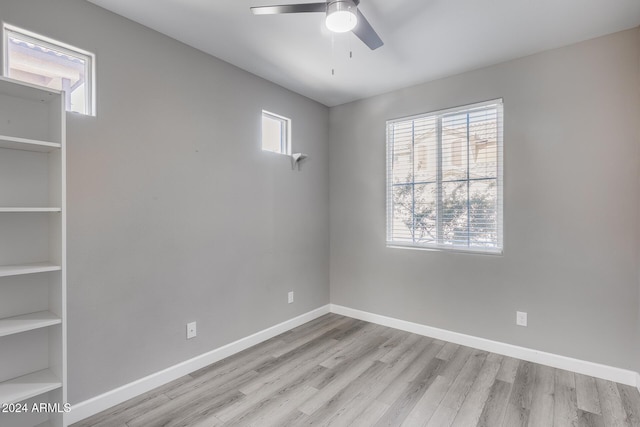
(291, 297)
(521, 318)
(191, 330)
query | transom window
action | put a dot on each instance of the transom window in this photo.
(41, 61)
(444, 179)
(276, 133)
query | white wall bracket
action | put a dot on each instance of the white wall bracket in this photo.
(296, 159)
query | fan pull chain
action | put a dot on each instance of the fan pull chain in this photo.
(333, 54)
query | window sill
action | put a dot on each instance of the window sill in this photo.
(492, 252)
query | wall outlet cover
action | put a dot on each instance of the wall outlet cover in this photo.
(290, 297)
(521, 318)
(191, 330)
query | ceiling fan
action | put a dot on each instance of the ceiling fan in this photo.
(342, 16)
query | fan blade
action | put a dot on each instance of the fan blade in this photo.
(366, 33)
(289, 8)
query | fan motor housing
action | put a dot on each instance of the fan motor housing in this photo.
(341, 5)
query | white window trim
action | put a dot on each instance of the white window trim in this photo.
(500, 183)
(56, 45)
(287, 122)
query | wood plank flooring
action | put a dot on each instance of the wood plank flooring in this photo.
(337, 371)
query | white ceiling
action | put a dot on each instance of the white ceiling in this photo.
(424, 39)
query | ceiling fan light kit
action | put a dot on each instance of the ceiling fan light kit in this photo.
(341, 16)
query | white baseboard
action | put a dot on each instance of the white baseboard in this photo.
(111, 398)
(597, 370)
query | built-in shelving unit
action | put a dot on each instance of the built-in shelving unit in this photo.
(32, 252)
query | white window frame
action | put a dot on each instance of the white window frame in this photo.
(31, 37)
(499, 249)
(285, 139)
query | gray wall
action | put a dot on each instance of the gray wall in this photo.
(571, 207)
(175, 213)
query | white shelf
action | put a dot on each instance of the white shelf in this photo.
(20, 89)
(15, 143)
(13, 209)
(27, 322)
(17, 270)
(27, 386)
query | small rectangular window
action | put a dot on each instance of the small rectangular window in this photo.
(444, 179)
(276, 133)
(41, 61)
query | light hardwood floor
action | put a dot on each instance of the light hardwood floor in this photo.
(343, 372)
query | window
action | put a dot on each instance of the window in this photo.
(41, 61)
(276, 133)
(444, 179)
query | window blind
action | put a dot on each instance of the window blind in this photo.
(444, 179)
